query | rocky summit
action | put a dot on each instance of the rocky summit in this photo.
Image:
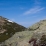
(13, 34)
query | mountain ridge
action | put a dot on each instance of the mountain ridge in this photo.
(8, 28)
(35, 35)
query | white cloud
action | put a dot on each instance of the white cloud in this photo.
(33, 10)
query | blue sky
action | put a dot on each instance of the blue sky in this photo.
(23, 12)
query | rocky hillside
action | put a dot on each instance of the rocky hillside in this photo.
(36, 36)
(33, 36)
(8, 28)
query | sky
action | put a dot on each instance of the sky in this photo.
(23, 12)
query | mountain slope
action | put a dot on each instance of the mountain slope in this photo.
(34, 37)
(8, 28)
(39, 25)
